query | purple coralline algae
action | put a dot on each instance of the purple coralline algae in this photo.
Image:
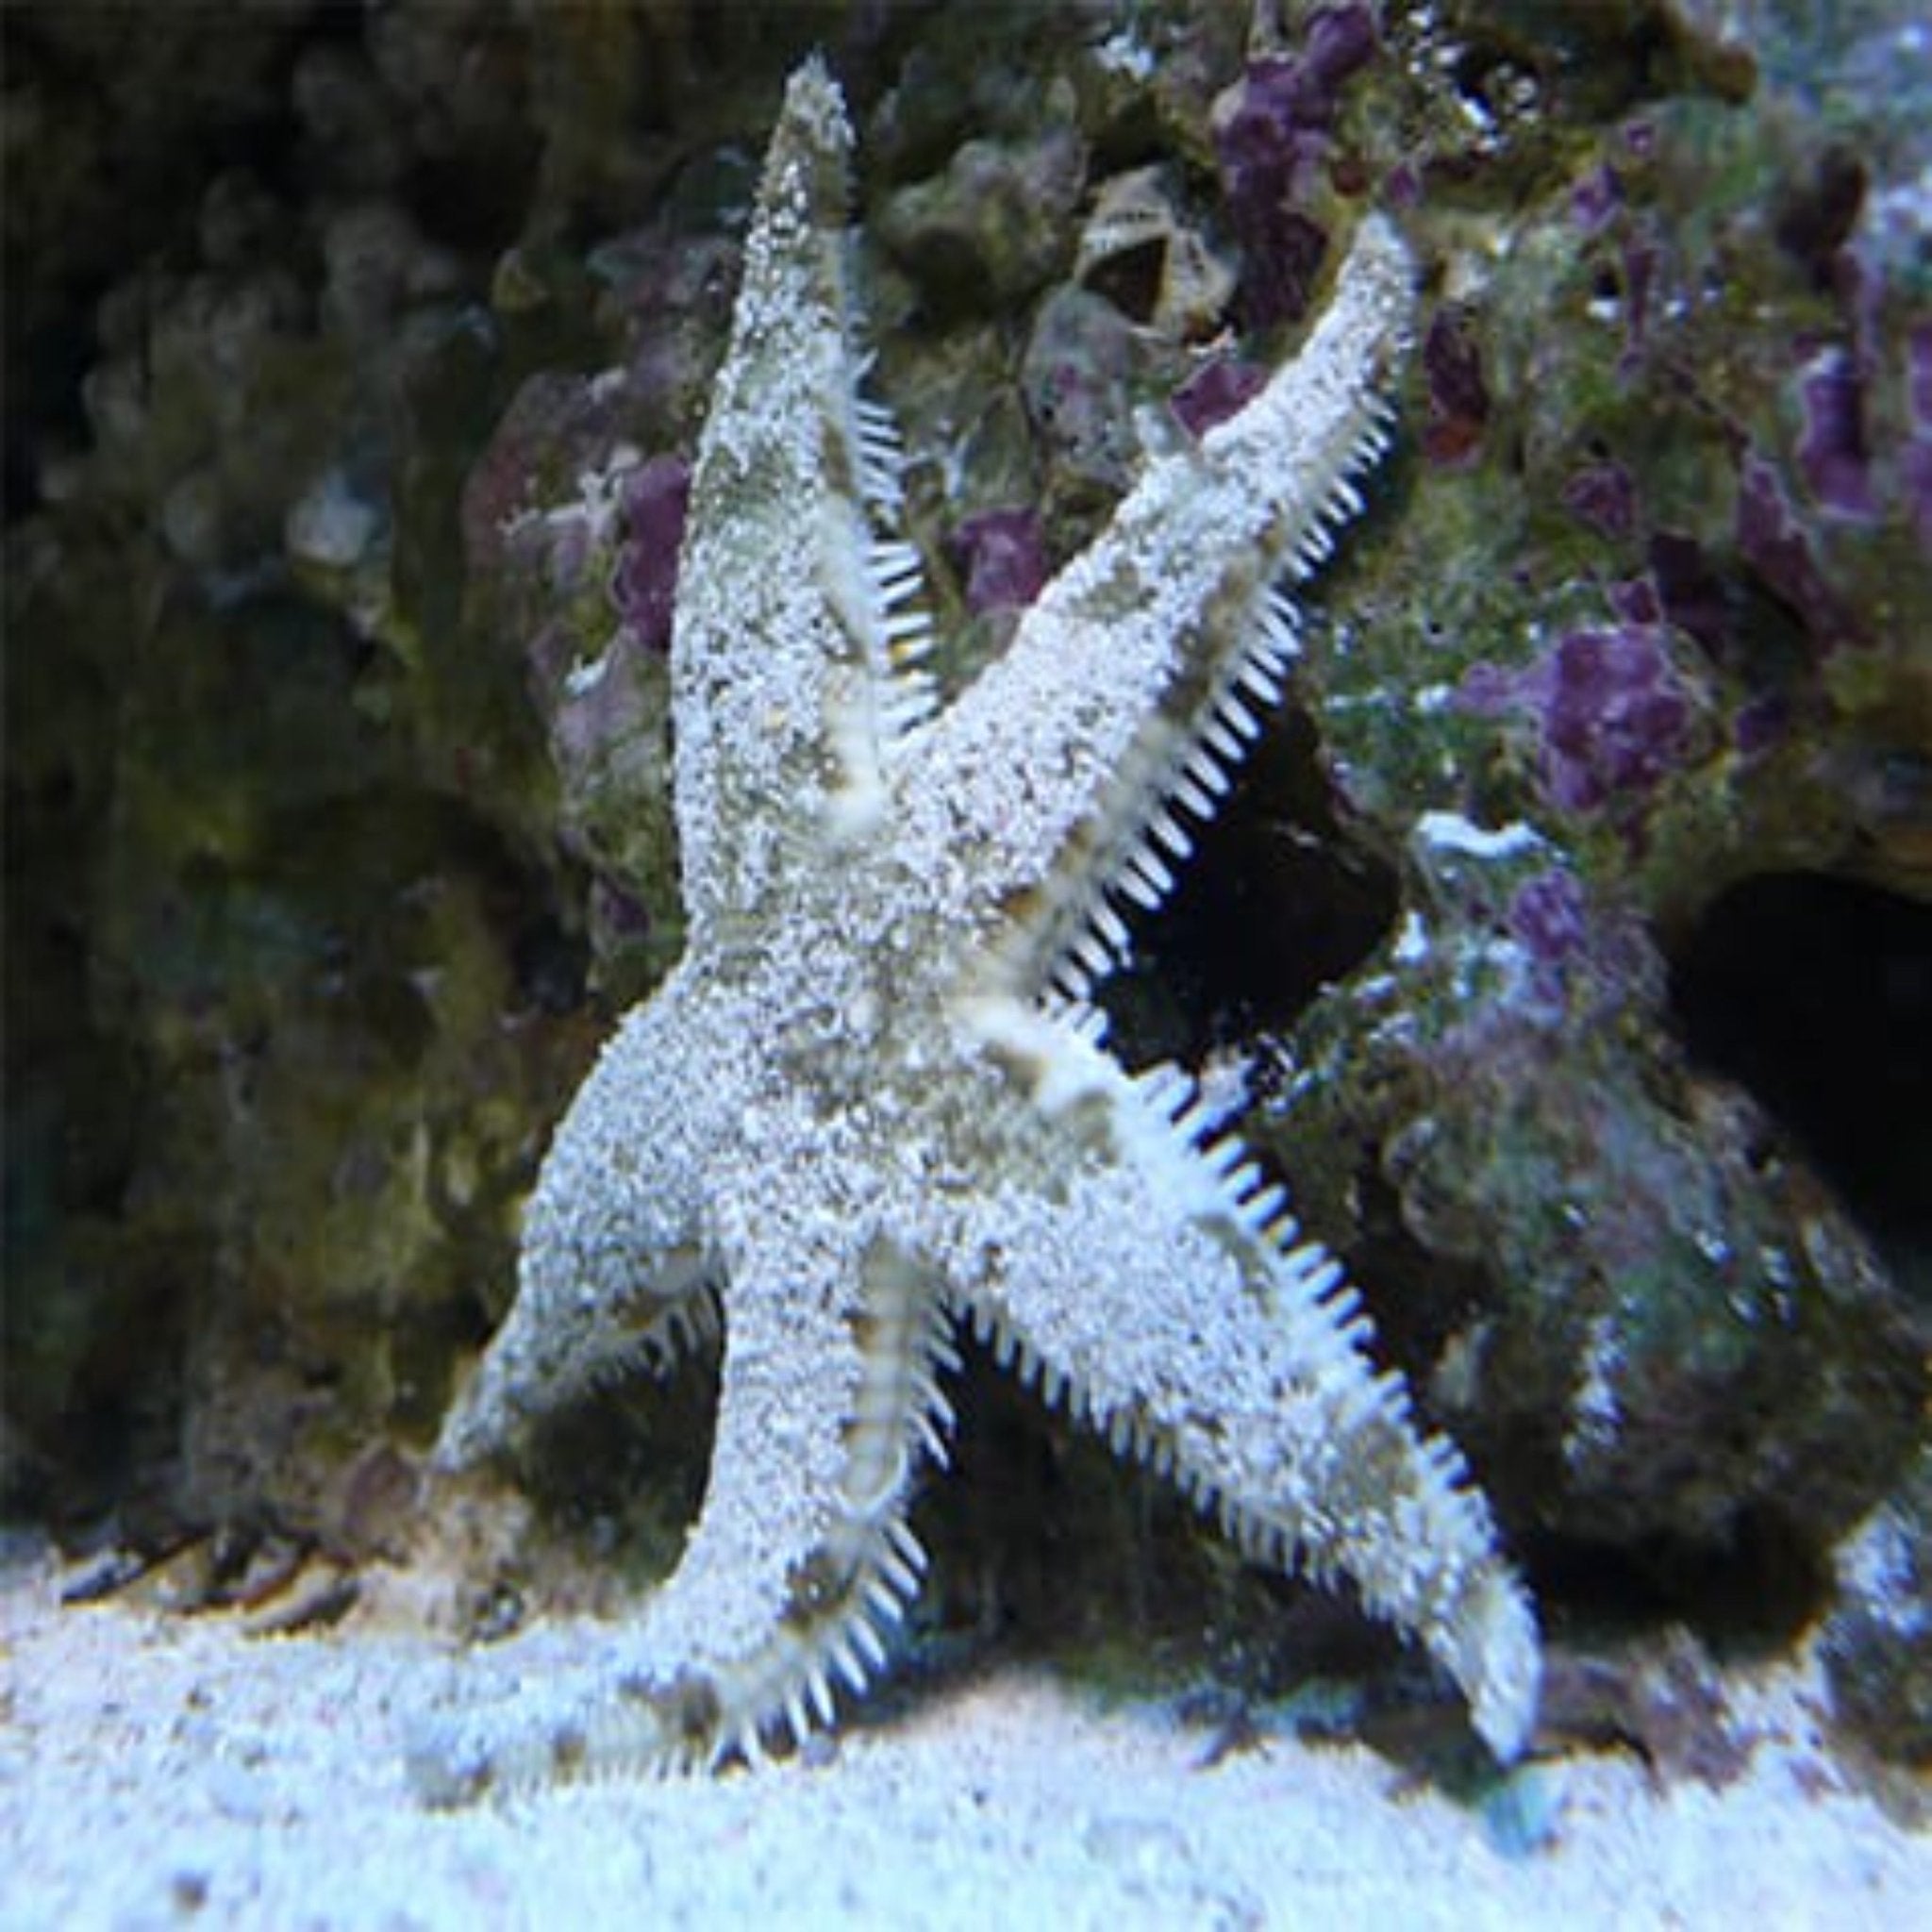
(1271, 139)
(1549, 916)
(1832, 451)
(1002, 555)
(573, 550)
(1604, 496)
(1915, 465)
(644, 588)
(1214, 393)
(1611, 712)
(1773, 540)
(1458, 398)
(1691, 591)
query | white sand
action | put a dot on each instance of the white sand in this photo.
(162, 1771)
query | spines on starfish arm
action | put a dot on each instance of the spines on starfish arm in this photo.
(796, 1575)
(1140, 1259)
(1133, 684)
(796, 643)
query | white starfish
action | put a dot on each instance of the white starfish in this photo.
(871, 1096)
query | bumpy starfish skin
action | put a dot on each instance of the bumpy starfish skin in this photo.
(873, 1098)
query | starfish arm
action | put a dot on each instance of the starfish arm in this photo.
(613, 1267)
(800, 1562)
(788, 646)
(1158, 1287)
(1128, 687)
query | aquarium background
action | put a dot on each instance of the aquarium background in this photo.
(324, 876)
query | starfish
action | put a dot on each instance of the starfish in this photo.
(873, 1099)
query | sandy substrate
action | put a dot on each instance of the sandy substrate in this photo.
(158, 1772)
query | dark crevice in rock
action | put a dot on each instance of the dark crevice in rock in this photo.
(1815, 994)
(1275, 906)
(1751, 1596)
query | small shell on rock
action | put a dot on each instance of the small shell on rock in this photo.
(1136, 250)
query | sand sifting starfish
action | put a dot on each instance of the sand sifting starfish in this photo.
(873, 1098)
